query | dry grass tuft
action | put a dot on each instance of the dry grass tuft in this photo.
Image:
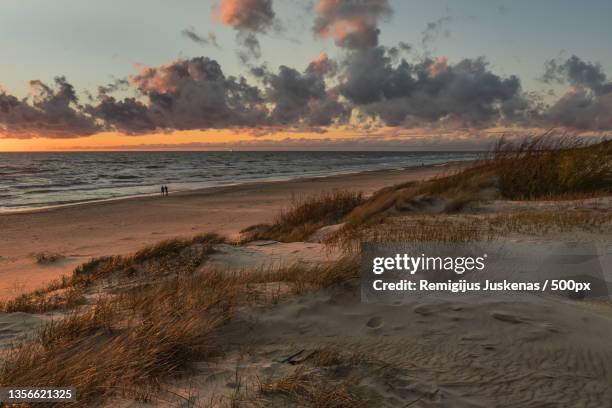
(56, 296)
(303, 279)
(312, 389)
(305, 215)
(45, 258)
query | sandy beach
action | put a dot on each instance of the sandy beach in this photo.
(80, 232)
(276, 316)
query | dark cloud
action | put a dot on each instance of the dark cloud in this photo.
(587, 105)
(433, 31)
(301, 98)
(182, 95)
(116, 85)
(429, 92)
(577, 73)
(53, 113)
(396, 52)
(210, 39)
(250, 49)
(581, 109)
(351, 23)
(373, 84)
(129, 115)
(195, 94)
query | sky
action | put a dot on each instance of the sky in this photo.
(282, 74)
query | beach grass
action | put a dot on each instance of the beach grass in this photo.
(463, 228)
(546, 167)
(170, 257)
(129, 342)
(305, 215)
(551, 167)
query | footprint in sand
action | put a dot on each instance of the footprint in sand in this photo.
(375, 322)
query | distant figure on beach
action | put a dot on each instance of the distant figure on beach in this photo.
(166, 188)
(163, 190)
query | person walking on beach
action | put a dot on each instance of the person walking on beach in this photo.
(163, 189)
(166, 188)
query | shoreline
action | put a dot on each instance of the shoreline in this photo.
(87, 230)
(197, 190)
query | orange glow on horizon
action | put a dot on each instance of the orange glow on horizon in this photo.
(245, 139)
(119, 141)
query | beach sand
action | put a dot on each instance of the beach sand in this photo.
(292, 344)
(80, 232)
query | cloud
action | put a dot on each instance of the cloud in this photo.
(322, 65)
(129, 115)
(581, 109)
(247, 15)
(577, 73)
(249, 18)
(302, 98)
(185, 94)
(53, 113)
(433, 31)
(351, 23)
(249, 46)
(587, 105)
(368, 89)
(210, 39)
(429, 92)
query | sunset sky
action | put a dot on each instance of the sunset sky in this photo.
(299, 74)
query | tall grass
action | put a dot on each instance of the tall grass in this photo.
(544, 167)
(130, 343)
(305, 215)
(112, 348)
(549, 166)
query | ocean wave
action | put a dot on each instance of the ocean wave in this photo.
(126, 177)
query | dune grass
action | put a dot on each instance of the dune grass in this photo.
(129, 343)
(447, 193)
(538, 168)
(469, 228)
(126, 344)
(170, 257)
(305, 215)
(550, 166)
(311, 388)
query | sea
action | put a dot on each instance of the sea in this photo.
(38, 180)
